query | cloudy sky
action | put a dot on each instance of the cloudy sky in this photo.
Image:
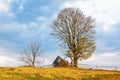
(23, 21)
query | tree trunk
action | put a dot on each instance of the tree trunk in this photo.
(33, 64)
(71, 63)
(75, 60)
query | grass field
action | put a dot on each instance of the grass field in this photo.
(29, 73)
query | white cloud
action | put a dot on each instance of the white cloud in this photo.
(21, 7)
(44, 8)
(109, 55)
(108, 25)
(9, 57)
(41, 18)
(5, 5)
(101, 10)
(79, 4)
(8, 61)
(5, 10)
(43, 61)
(5, 51)
(104, 59)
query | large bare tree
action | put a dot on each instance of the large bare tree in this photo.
(31, 53)
(77, 32)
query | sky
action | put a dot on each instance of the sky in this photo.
(24, 21)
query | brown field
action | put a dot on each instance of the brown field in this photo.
(29, 73)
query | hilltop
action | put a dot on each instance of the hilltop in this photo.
(30, 73)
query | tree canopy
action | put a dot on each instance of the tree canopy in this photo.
(76, 31)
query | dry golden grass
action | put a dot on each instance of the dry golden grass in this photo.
(29, 73)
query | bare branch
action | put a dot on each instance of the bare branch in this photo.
(30, 54)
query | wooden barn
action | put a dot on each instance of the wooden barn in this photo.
(59, 62)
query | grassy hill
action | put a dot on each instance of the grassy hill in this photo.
(29, 73)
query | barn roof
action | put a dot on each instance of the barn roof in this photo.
(59, 62)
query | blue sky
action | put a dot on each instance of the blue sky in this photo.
(23, 21)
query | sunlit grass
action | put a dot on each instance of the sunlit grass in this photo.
(29, 73)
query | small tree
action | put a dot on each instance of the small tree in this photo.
(31, 53)
(76, 31)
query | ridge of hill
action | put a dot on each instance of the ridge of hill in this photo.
(61, 73)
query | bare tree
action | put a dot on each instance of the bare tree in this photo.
(31, 53)
(76, 31)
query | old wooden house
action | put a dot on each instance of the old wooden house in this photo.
(59, 62)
